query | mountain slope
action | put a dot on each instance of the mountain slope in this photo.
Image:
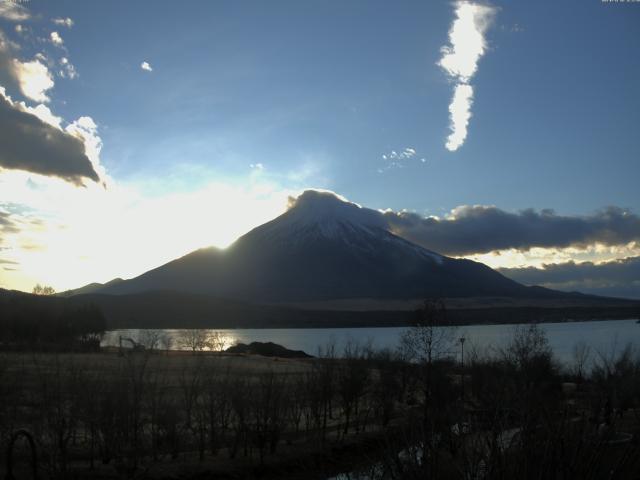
(90, 288)
(324, 248)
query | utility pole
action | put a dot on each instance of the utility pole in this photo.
(462, 340)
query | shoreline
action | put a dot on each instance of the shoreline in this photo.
(389, 319)
(346, 327)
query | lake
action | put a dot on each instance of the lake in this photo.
(602, 336)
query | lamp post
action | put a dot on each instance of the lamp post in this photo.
(462, 340)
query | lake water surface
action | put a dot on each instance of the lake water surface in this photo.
(602, 336)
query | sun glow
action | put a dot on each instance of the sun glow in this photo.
(96, 234)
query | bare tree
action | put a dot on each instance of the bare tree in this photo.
(324, 379)
(198, 340)
(352, 379)
(58, 390)
(136, 370)
(528, 343)
(43, 290)
(150, 339)
(581, 354)
(267, 412)
(428, 340)
(216, 341)
(431, 337)
(239, 398)
(155, 395)
(194, 339)
(298, 402)
(166, 341)
(217, 405)
(387, 387)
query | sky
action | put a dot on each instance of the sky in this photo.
(134, 132)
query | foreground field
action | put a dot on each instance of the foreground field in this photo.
(391, 415)
(176, 414)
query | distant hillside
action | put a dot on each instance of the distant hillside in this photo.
(90, 288)
(166, 309)
(48, 322)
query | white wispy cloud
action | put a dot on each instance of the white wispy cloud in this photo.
(43, 113)
(13, 11)
(401, 155)
(459, 113)
(86, 130)
(67, 69)
(146, 66)
(56, 39)
(397, 158)
(467, 44)
(33, 79)
(63, 22)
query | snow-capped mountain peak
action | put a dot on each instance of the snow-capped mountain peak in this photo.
(323, 247)
(315, 207)
(317, 216)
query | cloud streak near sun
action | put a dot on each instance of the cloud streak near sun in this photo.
(467, 44)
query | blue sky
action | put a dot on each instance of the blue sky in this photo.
(313, 94)
(338, 86)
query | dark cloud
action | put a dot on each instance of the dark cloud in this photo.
(9, 265)
(7, 227)
(8, 74)
(14, 222)
(480, 229)
(7, 224)
(617, 278)
(28, 143)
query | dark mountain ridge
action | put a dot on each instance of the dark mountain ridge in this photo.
(169, 309)
(324, 248)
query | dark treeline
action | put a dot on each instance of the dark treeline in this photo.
(515, 413)
(38, 322)
(420, 411)
(155, 310)
(163, 309)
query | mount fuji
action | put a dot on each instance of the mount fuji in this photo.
(324, 248)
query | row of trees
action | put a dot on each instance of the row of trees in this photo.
(144, 408)
(39, 289)
(514, 412)
(195, 340)
(49, 324)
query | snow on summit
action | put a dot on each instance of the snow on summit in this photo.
(324, 209)
(317, 214)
